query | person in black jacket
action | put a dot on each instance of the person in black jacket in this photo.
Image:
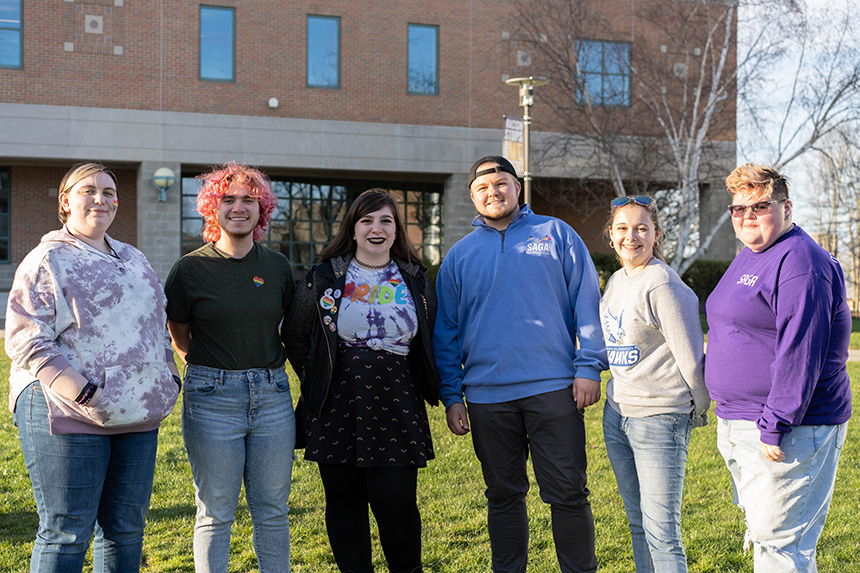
(360, 338)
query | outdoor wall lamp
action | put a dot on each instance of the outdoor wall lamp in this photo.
(164, 179)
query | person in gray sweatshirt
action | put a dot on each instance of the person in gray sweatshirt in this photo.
(657, 393)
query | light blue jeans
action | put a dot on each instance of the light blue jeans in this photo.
(85, 484)
(785, 503)
(648, 457)
(239, 424)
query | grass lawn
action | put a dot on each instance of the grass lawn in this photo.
(453, 509)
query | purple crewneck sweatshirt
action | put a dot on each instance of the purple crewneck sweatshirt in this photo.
(778, 339)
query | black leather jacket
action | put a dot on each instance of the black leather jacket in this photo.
(312, 346)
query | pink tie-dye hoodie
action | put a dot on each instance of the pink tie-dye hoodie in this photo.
(72, 305)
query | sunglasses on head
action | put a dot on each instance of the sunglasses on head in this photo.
(643, 200)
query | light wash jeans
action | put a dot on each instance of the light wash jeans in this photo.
(85, 484)
(648, 457)
(785, 503)
(239, 424)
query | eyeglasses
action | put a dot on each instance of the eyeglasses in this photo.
(643, 200)
(759, 208)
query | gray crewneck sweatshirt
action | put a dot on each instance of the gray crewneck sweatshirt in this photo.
(654, 342)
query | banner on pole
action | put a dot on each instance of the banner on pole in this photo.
(512, 142)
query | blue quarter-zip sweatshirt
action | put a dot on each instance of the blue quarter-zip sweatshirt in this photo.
(511, 307)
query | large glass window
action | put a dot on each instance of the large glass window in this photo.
(605, 68)
(323, 52)
(309, 214)
(11, 33)
(423, 60)
(5, 231)
(217, 43)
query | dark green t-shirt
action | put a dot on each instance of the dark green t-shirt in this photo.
(234, 306)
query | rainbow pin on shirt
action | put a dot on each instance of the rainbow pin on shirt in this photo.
(258, 281)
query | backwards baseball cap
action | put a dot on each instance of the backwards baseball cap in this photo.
(502, 164)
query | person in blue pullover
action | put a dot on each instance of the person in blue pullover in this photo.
(514, 296)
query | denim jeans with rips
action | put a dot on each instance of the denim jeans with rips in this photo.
(785, 503)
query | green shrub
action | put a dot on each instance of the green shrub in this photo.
(703, 276)
(606, 264)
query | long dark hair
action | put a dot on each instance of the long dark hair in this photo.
(371, 200)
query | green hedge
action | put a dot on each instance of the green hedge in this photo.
(702, 276)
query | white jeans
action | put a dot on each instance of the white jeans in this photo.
(786, 502)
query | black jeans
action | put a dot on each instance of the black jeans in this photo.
(391, 493)
(553, 430)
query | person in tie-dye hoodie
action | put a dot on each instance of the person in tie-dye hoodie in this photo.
(92, 378)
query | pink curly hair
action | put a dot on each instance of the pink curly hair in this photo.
(217, 183)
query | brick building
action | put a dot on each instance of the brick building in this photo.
(329, 98)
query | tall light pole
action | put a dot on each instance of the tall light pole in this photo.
(527, 98)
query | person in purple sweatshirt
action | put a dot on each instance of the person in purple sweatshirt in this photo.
(92, 378)
(777, 347)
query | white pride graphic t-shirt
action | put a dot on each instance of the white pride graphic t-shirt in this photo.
(377, 310)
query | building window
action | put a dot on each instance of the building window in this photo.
(217, 44)
(323, 52)
(5, 231)
(10, 33)
(605, 69)
(423, 60)
(309, 214)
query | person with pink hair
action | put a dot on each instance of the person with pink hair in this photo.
(225, 303)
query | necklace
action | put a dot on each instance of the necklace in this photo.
(370, 267)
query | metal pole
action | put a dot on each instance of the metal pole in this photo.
(527, 95)
(527, 98)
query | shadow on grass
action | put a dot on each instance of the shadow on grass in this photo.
(19, 527)
(170, 512)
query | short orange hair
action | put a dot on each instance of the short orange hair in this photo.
(758, 182)
(217, 183)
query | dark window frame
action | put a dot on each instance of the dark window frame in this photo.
(436, 79)
(308, 234)
(201, 77)
(601, 98)
(6, 200)
(308, 83)
(4, 26)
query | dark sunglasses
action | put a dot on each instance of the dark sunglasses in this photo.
(643, 200)
(759, 208)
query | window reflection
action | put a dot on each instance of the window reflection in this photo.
(10, 33)
(310, 212)
(216, 43)
(605, 67)
(423, 59)
(323, 52)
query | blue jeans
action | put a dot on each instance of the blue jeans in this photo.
(785, 503)
(648, 457)
(550, 428)
(239, 424)
(85, 484)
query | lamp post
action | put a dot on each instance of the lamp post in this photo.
(527, 98)
(164, 179)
